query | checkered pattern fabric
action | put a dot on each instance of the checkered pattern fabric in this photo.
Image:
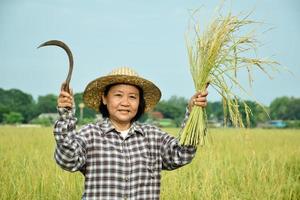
(117, 168)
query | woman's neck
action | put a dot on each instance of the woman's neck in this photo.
(120, 126)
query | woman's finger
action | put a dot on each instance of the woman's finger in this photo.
(65, 92)
(201, 103)
(201, 99)
(198, 99)
(65, 98)
(203, 94)
(65, 105)
(64, 101)
(62, 87)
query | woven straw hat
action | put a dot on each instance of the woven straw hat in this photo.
(95, 89)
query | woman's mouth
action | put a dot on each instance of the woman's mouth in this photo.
(124, 111)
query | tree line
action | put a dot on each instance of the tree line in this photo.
(19, 107)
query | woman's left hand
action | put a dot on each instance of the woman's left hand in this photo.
(198, 99)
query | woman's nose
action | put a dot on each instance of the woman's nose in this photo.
(125, 101)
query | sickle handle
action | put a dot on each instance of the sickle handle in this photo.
(70, 56)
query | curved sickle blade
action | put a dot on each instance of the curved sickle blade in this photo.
(70, 56)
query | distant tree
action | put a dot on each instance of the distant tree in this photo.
(4, 109)
(285, 108)
(258, 113)
(15, 100)
(46, 104)
(279, 108)
(214, 110)
(13, 118)
(262, 113)
(174, 108)
(294, 109)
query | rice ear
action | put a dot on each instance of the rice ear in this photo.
(217, 55)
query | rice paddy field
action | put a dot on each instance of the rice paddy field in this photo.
(236, 164)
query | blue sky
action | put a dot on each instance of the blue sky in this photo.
(148, 36)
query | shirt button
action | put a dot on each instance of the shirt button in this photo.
(126, 178)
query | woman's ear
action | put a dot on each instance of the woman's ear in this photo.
(104, 101)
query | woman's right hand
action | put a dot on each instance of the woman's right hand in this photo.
(65, 99)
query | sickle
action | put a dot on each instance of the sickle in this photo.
(66, 86)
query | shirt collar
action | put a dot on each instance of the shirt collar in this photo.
(137, 127)
(106, 126)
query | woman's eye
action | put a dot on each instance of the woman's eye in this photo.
(133, 97)
(118, 95)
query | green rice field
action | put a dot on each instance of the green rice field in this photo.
(236, 164)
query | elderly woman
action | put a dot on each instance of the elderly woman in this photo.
(119, 157)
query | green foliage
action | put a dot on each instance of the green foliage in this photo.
(285, 108)
(279, 108)
(15, 100)
(215, 111)
(258, 114)
(174, 108)
(3, 110)
(13, 118)
(294, 109)
(47, 104)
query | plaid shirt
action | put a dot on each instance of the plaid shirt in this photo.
(117, 168)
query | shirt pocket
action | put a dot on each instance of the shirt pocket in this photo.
(151, 168)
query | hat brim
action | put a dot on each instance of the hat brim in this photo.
(95, 89)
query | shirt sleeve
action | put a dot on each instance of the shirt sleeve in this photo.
(175, 155)
(70, 151)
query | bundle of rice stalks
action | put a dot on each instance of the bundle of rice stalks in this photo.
(215, 56)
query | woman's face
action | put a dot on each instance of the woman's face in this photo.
(122, 103)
